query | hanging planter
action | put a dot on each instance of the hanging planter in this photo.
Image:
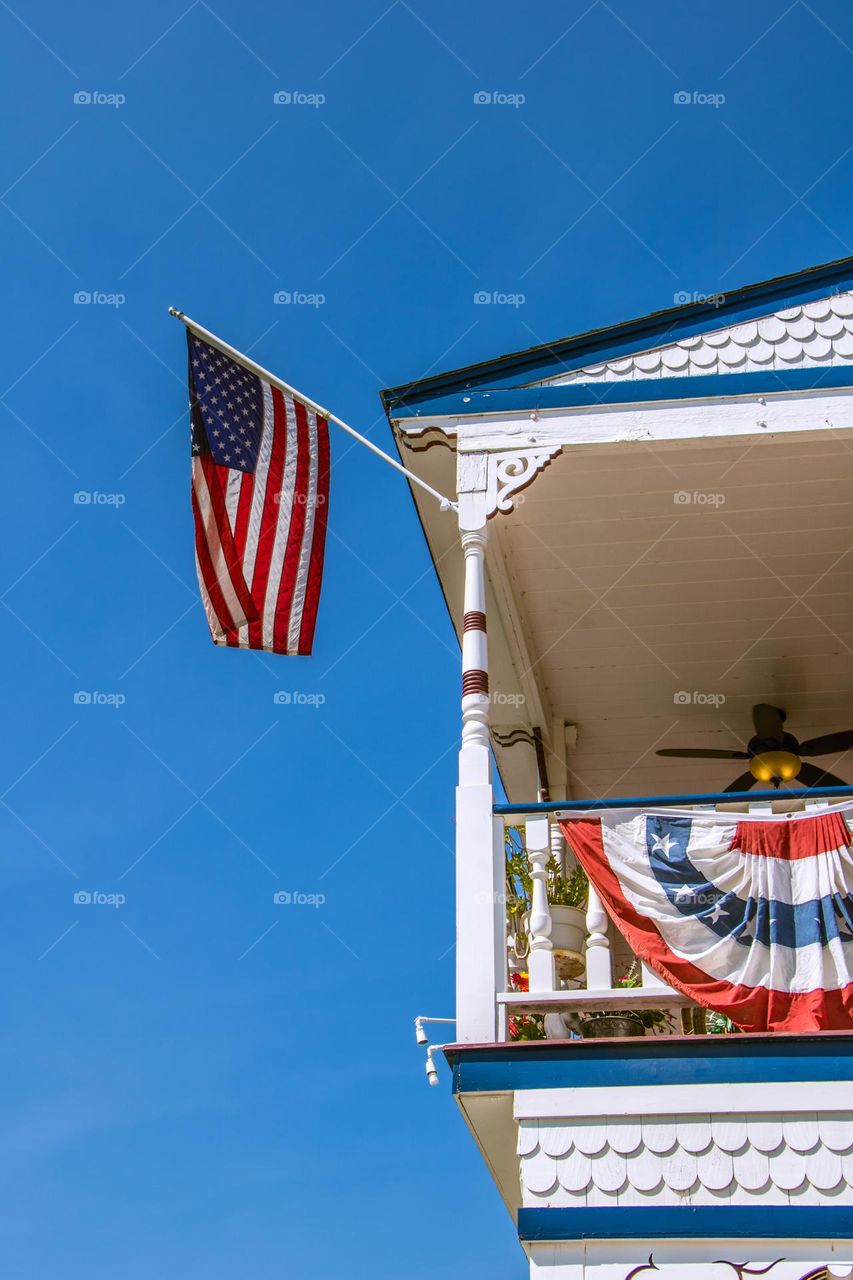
(620, 1023)
(616, 1026)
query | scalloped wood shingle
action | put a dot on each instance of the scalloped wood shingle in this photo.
(692, 1159)
(814, 335)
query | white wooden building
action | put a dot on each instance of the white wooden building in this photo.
(656, 533)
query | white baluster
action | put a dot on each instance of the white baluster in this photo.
(541, 963)
(599, 962)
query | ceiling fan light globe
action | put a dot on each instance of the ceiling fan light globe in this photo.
(775, 766)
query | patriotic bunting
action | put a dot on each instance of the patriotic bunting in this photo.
(752, 918)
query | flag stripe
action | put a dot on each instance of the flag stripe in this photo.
(268, 539)
(297, 606)
(318, 543)
(256, 514)
(284, 517)
(244, 507)
(791, 840)
(241, 524)
(293, 550)
(219, 561)
(212, 582)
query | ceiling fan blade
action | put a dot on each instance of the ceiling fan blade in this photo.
(827, 743)
(744, 783)
(769, 722)
(811, 775)
(700, 753)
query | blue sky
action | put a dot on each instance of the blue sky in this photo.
(195, 1081)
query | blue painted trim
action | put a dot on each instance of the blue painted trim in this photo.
(689, 1222)
(665, 802)
(629, 1063)
(627, 337)
(593, 395)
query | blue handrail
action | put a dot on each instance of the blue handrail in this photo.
(660, 802)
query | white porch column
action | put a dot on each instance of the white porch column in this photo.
(480, 909)
(474, 758)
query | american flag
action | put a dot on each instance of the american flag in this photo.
(260, 496)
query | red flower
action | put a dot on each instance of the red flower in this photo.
(520, 981)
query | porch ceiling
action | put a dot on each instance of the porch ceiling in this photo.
(717, 569)
(608, 598)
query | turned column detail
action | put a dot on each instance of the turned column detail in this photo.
(474, 754)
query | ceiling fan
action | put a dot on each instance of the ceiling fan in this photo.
(774, 755)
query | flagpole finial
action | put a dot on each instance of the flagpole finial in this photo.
(173, 311)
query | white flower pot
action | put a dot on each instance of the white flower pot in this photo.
(568, 938)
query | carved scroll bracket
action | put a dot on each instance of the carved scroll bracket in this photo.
(510, 472)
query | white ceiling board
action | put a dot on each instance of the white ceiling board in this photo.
(623, 597)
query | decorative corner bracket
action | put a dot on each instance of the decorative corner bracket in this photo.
(510, 472)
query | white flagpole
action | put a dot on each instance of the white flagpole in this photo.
(446, 503)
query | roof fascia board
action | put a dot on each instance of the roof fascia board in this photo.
(583, 395)
(613, 341)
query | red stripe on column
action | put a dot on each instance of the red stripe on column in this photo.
(295, 534)
(269, 518)
(751, 1008)
(321, 519)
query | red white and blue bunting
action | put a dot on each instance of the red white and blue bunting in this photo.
(752, 918)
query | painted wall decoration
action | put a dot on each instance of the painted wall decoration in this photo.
(743, 1270)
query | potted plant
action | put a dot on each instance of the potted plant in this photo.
(567, 896)
(624, 1022)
